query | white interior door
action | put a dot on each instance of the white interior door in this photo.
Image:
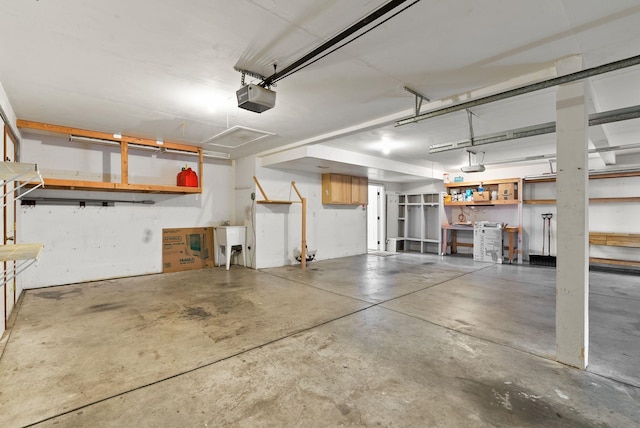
(375, 218)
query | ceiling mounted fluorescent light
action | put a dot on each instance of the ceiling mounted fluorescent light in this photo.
(81, 139)
(134, 146)
(236, 136)
(215, 155)
(622, 170)
(179, 152)
(205, 153)
(445, 147)
(615, 148)
(592, 172)
(522, 159)
(553, 155)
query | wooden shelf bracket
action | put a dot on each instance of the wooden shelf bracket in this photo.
(303, 201)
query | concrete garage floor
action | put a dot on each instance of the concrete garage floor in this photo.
(405, 340)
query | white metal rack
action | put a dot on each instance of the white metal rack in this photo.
(24, 254)
(22, 174)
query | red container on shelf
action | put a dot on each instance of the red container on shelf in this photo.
(187, 178)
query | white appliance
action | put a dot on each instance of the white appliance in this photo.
(487, 242)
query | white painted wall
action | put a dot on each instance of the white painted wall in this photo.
(245, 207)
(83, 244)
(91, 243)
(332, 230)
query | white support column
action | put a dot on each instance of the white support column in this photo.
(572, 273)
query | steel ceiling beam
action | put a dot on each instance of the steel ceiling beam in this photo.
(568, 78)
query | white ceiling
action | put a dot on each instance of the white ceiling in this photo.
(165, 70)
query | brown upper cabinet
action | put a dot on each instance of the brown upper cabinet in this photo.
(359, 190)
(340, 189)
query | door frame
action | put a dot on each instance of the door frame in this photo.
(381, 217)
(8, 230)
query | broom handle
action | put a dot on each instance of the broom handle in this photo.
(549, 234)
(544, 226)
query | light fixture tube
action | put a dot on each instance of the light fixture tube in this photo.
(81, 139)
(205, 153)
(133, 146)
(215, 155)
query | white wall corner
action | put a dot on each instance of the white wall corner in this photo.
(8, 115)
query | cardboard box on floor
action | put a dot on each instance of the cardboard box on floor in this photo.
(187, 248)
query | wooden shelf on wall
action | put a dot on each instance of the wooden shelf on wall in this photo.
(61, 184)
(484, 182)
(592, 176)
(124, 142)
(514, 186)
(481, 203)
(591, 200)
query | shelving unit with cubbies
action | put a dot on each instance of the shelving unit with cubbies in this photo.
(419, 222)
